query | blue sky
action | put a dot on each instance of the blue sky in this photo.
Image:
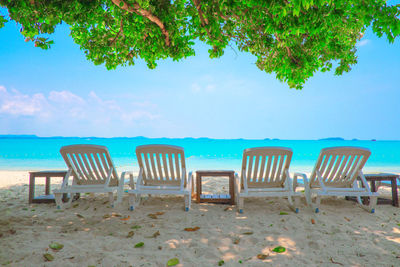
(58, 92)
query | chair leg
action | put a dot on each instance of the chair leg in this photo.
(187, 202)
(293, 205)
(317, 203)
(131, 202)
(111, 198)
(58, 199)
(307, 194)
(240, 204)
(372, 204)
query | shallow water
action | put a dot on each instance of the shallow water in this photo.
(201, 153)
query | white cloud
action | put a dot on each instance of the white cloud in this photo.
(18, 104)
(363, 42)
(65, 97)
(90, 114)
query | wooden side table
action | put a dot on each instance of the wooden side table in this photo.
(47, 198)
(389, 177)
(221, 199)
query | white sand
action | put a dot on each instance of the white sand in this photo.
(94, 234)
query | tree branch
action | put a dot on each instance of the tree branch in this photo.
(137, 9)
(295, 60)
(204, 20)
(121, 30)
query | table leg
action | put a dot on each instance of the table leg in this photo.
(395, 197)
(31, 188)
(373, 187)
(232, 188)
(47, 188)
(198, 187)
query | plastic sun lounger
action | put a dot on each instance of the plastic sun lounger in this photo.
(335, 174)
(162, 172)
(92, 170)
(265, 173)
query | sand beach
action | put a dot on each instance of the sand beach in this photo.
(94, 234)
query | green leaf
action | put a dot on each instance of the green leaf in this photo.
(221, 262)
(173, 262)
(56, 246)
(136, 227)
(139, 245)
(283, 213)
(48, 257)
(279, 249)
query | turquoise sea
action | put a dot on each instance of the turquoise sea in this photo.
(40, 153)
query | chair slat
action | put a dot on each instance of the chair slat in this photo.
(164, 160)
(338, 161)
(267, 174)
(101, 169)
(147, 169)
(255, 171)
(336, 178)
(157, 156)
(178, 171)
(279, 171)
(95, 170)
(153, 167)
(261, 174)
(88, 167)
(272, 178)
(171, 166)
(249, 168)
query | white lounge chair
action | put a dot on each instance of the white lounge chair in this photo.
(265, 173)
(335, 174)
(162, 172)
(93, 172)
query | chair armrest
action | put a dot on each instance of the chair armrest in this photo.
(130, 173)
(295, 176)
(189, 183)
(237, 183)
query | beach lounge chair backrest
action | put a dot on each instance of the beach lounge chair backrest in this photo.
(89, 164)
(161, 164)
(339, 166)
(266, 166)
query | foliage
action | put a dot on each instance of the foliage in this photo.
(292, 38)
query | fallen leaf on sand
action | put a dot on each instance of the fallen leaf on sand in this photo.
(247, 233)
(12, 231)
(221, 262)
(279, 249)
(130, 234)
(48, 257)
(159, 213)
(139, 245)
(173, 262)
(136, 227)
(56, 246)
(283, 213)
(227, 208)
(335, 262)
(153, 216)
(347, 219)
(106, 216)
(156, 234)
(192, 229)
(236, 241)
(262, 256)
(75, 205)
(79, 216)
(116, 214)
(125, 218)
(312, 221)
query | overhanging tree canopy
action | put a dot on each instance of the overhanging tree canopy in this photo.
(292, 38)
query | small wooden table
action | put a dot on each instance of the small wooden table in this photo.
(390, 177)
(221, 199)
(47, 197)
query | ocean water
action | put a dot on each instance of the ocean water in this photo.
(36, 153)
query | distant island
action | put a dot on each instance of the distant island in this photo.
(332, 139)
